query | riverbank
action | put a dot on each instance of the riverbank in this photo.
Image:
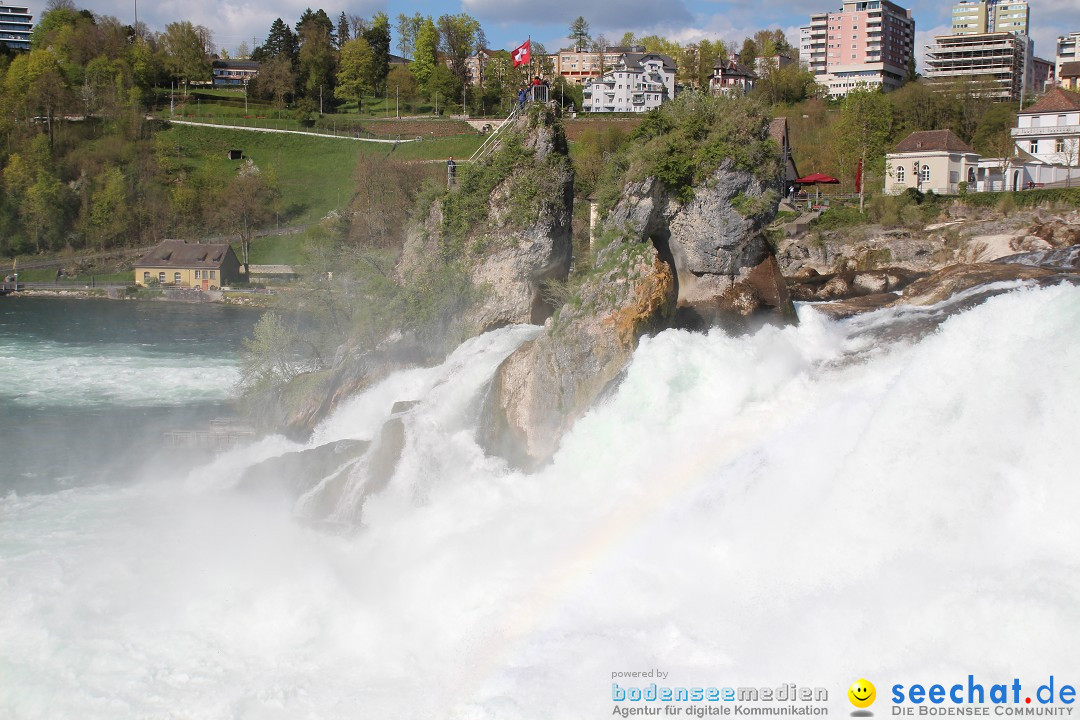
(239, 298)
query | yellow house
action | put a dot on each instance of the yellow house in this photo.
(178, 263)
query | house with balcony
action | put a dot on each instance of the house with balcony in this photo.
(1048, 139)
(638, 82)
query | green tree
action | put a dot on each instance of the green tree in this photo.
(276, 81)
(45, 211)
(280, 42)
(377, 35)
(185, 53)
(318, 21)
(270, 357)
(318, 59)
(355, 74)
(110, 210)
(248, 202)
(408, 29)
(343, 34)
(866, 127)
(579, 33)
(427, 52)
(461, 36)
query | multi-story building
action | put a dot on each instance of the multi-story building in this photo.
(994, 64)
(989, 56)
(976, 17)
(16, 23)
(638, 82)
(1043, 75)
(580, 66)
(234, 73)
(1068, 50)
(476, 64)
(868, 43)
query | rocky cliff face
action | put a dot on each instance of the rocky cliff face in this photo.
(543, 387)
(664, 254)
(508, 224)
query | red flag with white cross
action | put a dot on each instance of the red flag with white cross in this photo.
(521, 54)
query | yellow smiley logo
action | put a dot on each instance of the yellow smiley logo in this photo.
(862, 693)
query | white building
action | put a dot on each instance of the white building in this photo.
(1068, 50)
(638, 82)
(931, 161)
(1048, 135)
(16, 24)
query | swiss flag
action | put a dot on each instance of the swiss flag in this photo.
(521, 54)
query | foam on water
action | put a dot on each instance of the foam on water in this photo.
(799, 505)
(50, 374)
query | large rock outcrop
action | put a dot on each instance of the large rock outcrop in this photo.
(544, 386)
(508, 224)
(714, 239)
(665, 255)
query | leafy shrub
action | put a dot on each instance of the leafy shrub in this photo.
(683, 142)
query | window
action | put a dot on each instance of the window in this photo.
(145, 276)
(211, 274)
(161, 278)
(176, 278)
(900, 176)
(924, 176)
(971, 174)
(1063, 120)
(1034, 146)
(1060, 146)
(198, 274)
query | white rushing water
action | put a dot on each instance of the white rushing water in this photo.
(799, 505)
(44, 373)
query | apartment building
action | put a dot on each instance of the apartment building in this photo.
(16, 23)
(976, 17)
(580, 66)
(638, 82)
(867, 43)
(996, 64)
(1068, 50)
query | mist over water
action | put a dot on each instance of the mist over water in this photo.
(810, 504)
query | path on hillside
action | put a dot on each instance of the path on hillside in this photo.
(291, 132)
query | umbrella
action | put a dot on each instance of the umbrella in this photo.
(818, 179)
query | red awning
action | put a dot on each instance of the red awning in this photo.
(816, 178)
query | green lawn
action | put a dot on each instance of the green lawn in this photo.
(275, 249)
(315, 174)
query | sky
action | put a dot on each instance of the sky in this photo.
(508, 23)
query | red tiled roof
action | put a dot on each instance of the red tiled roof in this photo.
(1070, 69)
(929, 140)
(1056, 100)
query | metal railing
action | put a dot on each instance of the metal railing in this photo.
(492, 140)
